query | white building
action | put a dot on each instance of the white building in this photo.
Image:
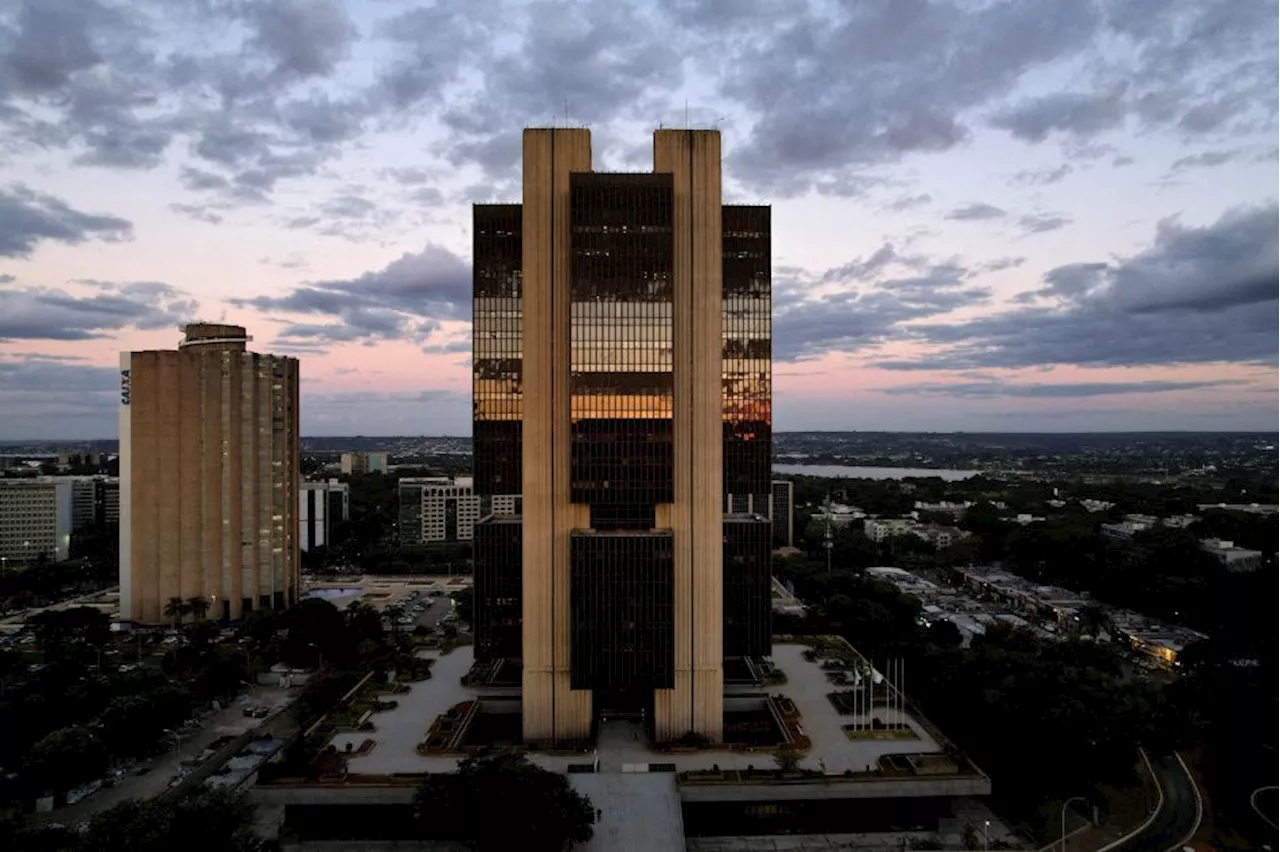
(1231, 557)
(879, 529)
(438, 509)
(35, 519)
(323, 505)
(840, 515)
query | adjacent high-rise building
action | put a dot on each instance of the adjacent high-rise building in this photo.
(209, 476)
(322, 506)
(622, 358)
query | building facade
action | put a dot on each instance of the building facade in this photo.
(622, 388)
(364, 463)
(322, 506)
(437, 510)
(209, 476)
(782, 512)
(36, 519)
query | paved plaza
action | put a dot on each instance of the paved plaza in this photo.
(398, 732)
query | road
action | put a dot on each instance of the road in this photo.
(1263, 802)
(1179, 815)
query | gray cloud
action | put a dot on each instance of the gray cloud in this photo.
(1208, 159)
(1042, 177)
(408, 298)
(36, 313)
(975, 212)
(28, 218)
(1069, 112)
(1031, 390)
(1197, 295)
(909, 202)
(874, 301)
(1038, 223)
(304, 38)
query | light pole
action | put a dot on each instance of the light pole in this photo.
(1064, 817)
(318, 651)
(986, 826)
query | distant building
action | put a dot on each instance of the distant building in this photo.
(840, 515)
(1096, 505)
(1232, 558)
(364, 463)
(939, 536)
(1024, 518)
(35, 519)
(434, 510)
(1252, 508)
(209, 475)
(782, 504)
(879, 529)
(945, 506)
(95, 500)
(323, 506)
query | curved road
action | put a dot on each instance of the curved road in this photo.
(1179, 815)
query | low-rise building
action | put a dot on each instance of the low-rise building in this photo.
(1232, 558)
(36, 517)
(839, 514)
(880, 529)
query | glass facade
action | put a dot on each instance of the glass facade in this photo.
(496, 620)
(748, 604)
(621, 381)
(497, 350)
(621, 598)
(621, 341)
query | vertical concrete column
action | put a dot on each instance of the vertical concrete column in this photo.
(552, 711)
(696, 703)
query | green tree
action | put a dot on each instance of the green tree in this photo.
(203, 821)
(66, 758)
(463, 602)
(788, 759)
(175, 608)
(65, 633)
(539, 811)
(198, 606)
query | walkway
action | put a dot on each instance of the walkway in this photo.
(639, 812)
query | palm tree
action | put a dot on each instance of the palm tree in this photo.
(198, 606)
(176, 608)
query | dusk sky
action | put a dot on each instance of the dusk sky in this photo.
(1036, 215)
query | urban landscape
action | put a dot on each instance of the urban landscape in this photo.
(758, 455)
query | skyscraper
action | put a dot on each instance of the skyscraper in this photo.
(622, 388)
(209, 476)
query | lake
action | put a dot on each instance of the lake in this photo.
(853, 472)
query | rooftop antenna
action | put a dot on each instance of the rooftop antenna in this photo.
(686, 114)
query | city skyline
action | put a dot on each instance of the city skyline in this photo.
(1067, 225)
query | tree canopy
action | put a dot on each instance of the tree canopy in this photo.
(500, 802)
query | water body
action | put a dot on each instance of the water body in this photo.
(854, 472)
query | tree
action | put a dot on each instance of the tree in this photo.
(198, 606)
(788, 759)
(203, 821)
(63, 632)
(316, 627)
(539, 811)
(201, 633)
(463, 602)
(175, 608)
(66, 758)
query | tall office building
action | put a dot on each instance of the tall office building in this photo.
(209, 476)
(622, 356)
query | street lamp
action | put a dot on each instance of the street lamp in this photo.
(986, 825)
(318, 651)
(1064, 817)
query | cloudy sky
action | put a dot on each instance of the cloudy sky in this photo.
(988, 215)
